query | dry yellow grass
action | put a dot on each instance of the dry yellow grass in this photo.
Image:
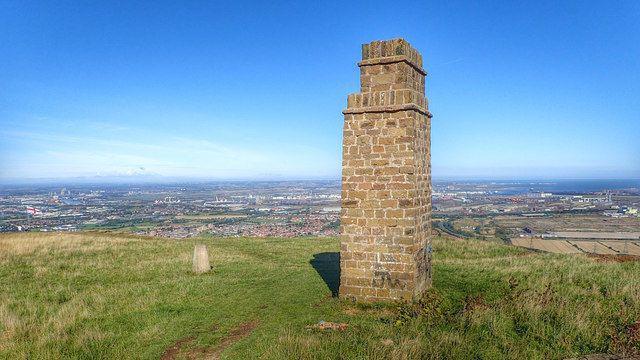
(34, 243)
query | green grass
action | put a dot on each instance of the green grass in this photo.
(100, 296)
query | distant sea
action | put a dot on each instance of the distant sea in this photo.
(505, 187)
(563, 186)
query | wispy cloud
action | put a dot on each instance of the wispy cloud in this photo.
(450, 62)
(167, 155)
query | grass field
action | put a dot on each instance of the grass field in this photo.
(99, 296)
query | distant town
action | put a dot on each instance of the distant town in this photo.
(490, 210)
(284, 209)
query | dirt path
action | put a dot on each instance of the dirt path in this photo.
(173, 351)
(210, 353)
(238, 333)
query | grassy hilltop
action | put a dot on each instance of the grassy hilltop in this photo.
(104, 296)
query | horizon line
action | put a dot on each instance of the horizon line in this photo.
(123, 180)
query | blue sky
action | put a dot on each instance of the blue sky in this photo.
(231, 90)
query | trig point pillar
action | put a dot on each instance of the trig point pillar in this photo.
(385, 251)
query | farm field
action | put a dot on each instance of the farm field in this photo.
(576, 246)
(552, 246)
(598, 235)
(570, 223)
(593, 247)
(622, 247)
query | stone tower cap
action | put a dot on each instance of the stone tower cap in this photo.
(391, 48)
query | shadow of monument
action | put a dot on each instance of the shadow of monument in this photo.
(327, 264)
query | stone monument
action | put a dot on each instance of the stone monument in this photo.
(200, 259)
(385, 230)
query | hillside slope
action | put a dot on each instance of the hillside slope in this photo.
(96, 295)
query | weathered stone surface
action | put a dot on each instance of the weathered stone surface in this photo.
(385, 229)
(201, 259)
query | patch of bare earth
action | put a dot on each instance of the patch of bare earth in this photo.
(605, 357)
(174, 350)
(210, 353)
(327, 325)
(633, 331)
(472, 303)
(614, 258)
(626, 340)
(238, 333)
